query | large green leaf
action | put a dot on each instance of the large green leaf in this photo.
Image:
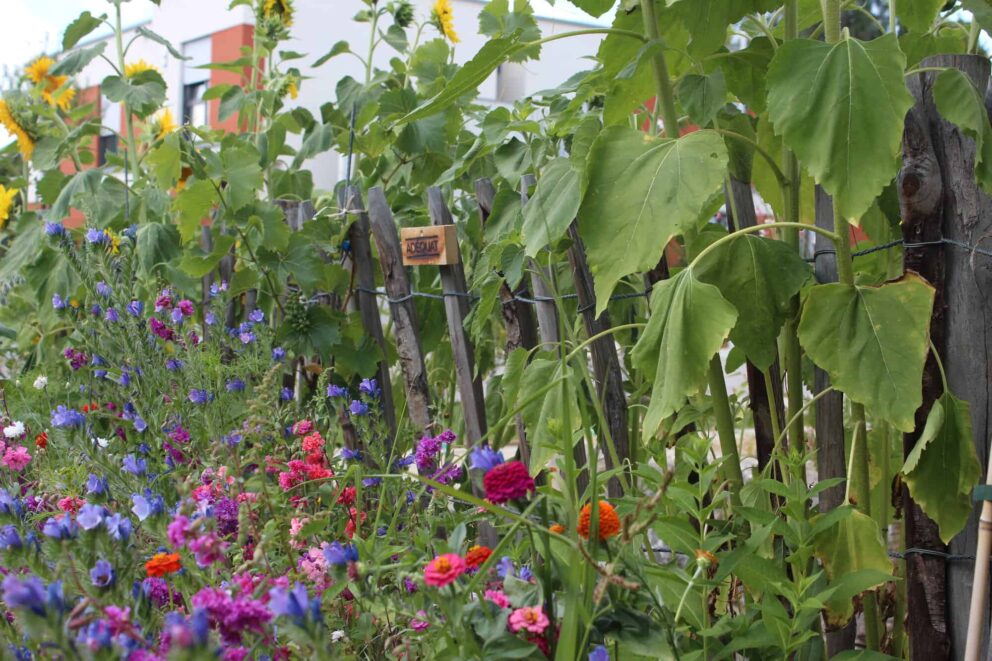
(553, 207)
(872, 341)
(77, 60)
(960, 102)
(157, 243)
(193, 204)
(164, 161)
(702, 96)
(981, 10)
(759, 277)
(840, 107)
(594, 7)
(143, 93)
(852, 544)
(639, 193)
(767, 183)
(545, 416)
(689, 321)
(918, 15)
(79, 28)
(840, 594)
(943, 468)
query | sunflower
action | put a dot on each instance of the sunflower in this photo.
(24, 141)
(281, 9)
(444, 16)
(7, 196)
(163, 124)
(134, 68)
(292, 89)
(39, 72)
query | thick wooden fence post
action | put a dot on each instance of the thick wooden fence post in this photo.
(921, 190)
(405, 328)
(350, 202)
(456, 308)
(967, 218)
(547, 312)
(605, 362)
(521, 329)
(829, 408)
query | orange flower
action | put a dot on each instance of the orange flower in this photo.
(557, 528)
(705, 559)
(41, 440)
(609, 522)
(477, 555)
(162, 564)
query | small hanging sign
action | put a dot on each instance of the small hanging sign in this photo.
(436, 245)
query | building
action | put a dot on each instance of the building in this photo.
(208, 31)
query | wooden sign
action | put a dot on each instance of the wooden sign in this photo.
(430, 246)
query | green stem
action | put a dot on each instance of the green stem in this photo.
(831, 20)
(132, 149)
(579, 33)
(758, 228)
(973, 32)
(725, 429)
(892, 16)
(662, 80)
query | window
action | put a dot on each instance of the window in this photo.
(108, 145)
(195, 109)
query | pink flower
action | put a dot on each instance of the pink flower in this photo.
(509, 481)
(16, 459)
(178, 531)
(418, 623)
(208, 549)
(498, 597)
(71, 503)
(532, 619)
(313, 442)
(303, 427)
(295, 526)
(444, 569)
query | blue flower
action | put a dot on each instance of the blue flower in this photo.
(526, 574)
(505, 567)
(135, 465)
(351, 455)
(10, 538)
(54, 229)
(139, 424)
(61, 527)
(232, 440)
(135, 308)
(125, 379)
(340, 555)
(286, 394)
(200, 396)
(102, 575)
(336, 391)
(96, 485)
(95, 636)
(118, 526)
(278, 353)
(369, 387)
(246, 337)
(599, 654)
(27, 593)
(235, 385)
(58, 302)
(210, 318)
(111, 316)
(369, 482)
(10, 505)
(173, 364)
(90, 516)
(295, 604)
(147, 505)
(485, 459)
(103, 289)
(256, 316)
(358, 408)
(96, 236)
(66, 417)
(96, 310)
(403, 462)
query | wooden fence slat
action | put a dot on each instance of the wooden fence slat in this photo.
(547, 311)
(350, 201)
(605, 362)
(405, 328)
(457, 309)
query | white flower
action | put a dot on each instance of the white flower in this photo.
(102, 442)
(337, 635)
(41, 382)
(14, 429)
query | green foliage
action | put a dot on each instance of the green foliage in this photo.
(959, 102)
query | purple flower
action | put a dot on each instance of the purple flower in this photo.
(54, 229)
(90, 516)
(208, 549)
(96, 636)
(173, 364)
(226, 512)
(96, 310)
(256, 316)
(286, 394)
(278, 353)
(485, 459)
(176, 316)
(27, 593)
(111, 316)
(210, 318)
(186, 307)
(58, 302)
(10, 504)
(66, 417)
(135, 308)
(135, 465)
(369, 387)
(295, 604)
(334, 391)
(125, 379)
(95, 236)
(199, 396)
(102, 575)
(118, 526)
(340, 555)
(246, 337)
(103, 289)
(96, 486)
(61, 527)
(235, 385)
(351, 455)
(358, 408)
(427, 450)
(10, 538)
(448, 474)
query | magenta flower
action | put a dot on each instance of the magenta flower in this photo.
(532, 619)
(16, 459)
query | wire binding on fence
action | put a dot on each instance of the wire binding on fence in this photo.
(896, 555)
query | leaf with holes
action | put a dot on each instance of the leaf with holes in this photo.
(942, 469)
(840, 107)
(689, 321)
(639, 193)
(872, 341)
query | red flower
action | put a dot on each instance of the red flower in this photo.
(41, 440)
(609, 521)
(509, 481)
(477, 555)
(347, 497)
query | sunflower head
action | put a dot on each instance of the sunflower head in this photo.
(444, 18)
(7, 197)
(12, 118)
(38, 70)
(132, 69)
(163, 124)
(278, 9)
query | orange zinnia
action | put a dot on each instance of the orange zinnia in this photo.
(609, 522)
(41, 440)
(557, 528)
(162, 564)
(477, 555)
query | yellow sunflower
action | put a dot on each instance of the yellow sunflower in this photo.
(39, 72)
(132, 69)
(164, 124)
(293, 89)
(7, 196)
(281, 9)
(444, 16)
(24, 141)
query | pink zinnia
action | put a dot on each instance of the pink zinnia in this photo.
(506, 482)
(303, 427)
(16, 459)
(498, 597)
(532, 619)
(418, 623)
(313, 443)
(208, 549)
(444, 569)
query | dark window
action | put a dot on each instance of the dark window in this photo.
(194, 107)
(108, 145)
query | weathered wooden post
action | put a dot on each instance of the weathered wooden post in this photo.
(405, 327)
(547, 312)
(350, 201)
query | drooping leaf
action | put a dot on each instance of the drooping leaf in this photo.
(545, 417)
(840, 107)
(85, 183)
(594, 8)
(242, 173)
(872, 341)
(337, 49)
(161, 41)
(702, 96)
(143, 93)
(852, 544)
(746, 70)
(499, 19)
(981, 10)
(164, 161)
(918, 15)
(842, 591)
(553, 206)
(79, 28)
(639, 193)
(469, 77)
(943, 468)
(157, 243)
(198, 263)
(77, 60)
(959, 102)
(917, 46)
(689, 321)
(759, 277)
(193, 205)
